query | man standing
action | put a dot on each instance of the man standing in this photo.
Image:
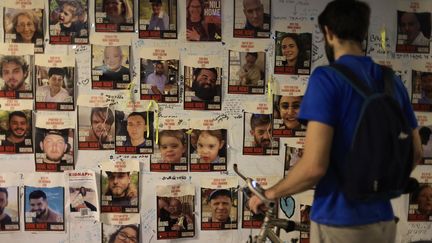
(4, 217)
(204, 84)
(14, 71)
(332, 107)
(410, 26)
(120, 189)
(157, 79)
(256, 19)
(220, 202)
(250, 73)
(159, 19)
(54, 145)
(261, 130)
(18, 130)
(54, 91)
(39, 205)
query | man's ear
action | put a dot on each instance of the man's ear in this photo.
(329, 35)
(41, 145)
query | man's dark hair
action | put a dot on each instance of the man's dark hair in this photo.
(254, 54)
(37, 194)
(197, 72)
(2, 189)
(62, 133)
(19, 60)
(347, 19)
(141, 114)
(416, 193)
(425, 133)
(259, 120)
(425, 74)
(219, 192)
(57, 71)
(98, 110)
(114, 235)
(17, 113)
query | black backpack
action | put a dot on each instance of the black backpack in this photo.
(380, 159)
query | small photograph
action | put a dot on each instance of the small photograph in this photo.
(158, 19)
(426, 142)
(208, 150)
(252, 19)
(285, 112)
(16, 78)
(292, 156)
(175, 217)
(95, 128)
(68, 22)
(293, 53)
(44, 205)
(110, 67)
(82, 200)
(305, 219)
(55, 88)
(219, 209)
(171, 154)
(120, 233)
(203, 20)
(413, 32)
(159, 80)
(420, 204)
(203, 88)
(54, 149)
(421, 90)
(120, 192)
(246, 72)
(9, 209)
(16, 132)
(257, 135)
(133, 134)
(114, 15)
(250, 220)
(24, 26)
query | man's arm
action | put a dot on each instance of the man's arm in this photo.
(418, 151)
(309, 170)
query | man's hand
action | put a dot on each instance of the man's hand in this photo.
(256, 205)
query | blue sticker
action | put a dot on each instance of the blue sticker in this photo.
(287, 205)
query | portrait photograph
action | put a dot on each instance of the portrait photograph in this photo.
(68, 22)
(420, 204)
(175, 217)
(158, 19)
(203, 88)
(292, 156)
(421, 90)
(95, 128)
(426, 142)
(16, 77)
(114, 15)
(120, 233)
(83, 200)
(252, 18)
(208, 150)
(246, 72)
(9, 208)
(171, 153)
(159, 80)
(293, 53)
(16, 135)
(219, 209)
(119, 192)
(285, 112)
(258, 138)
(203, 20)
(413, 32)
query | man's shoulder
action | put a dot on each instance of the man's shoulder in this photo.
(6, 219)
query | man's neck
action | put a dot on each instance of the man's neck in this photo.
(54, 91)
(14, 139)
(48, 161)
(136, 142)
(347, 48)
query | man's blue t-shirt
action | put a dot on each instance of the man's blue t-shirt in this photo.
(331, 100)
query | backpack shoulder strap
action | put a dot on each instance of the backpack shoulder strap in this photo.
(388, 77)
(352, 79)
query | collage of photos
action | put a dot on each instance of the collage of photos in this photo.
(158, 19)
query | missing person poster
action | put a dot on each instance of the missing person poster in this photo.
(247, 68)
(54, 140)
(95, 123)
(127, 232)
(208, 145)
(55, 82)
(293, 48)
(258, 136)
(84, 203)
(120, 186)
(294, 149)
(175, 211)
(68, 22)
(305, 219)
(251, 220)
(203, 20)
(286, 106)
(413, 26)
(171, 152)
(252, 19)
(159, 74)
(44, 202)
(9, 202)
(219, 203)
(110, 61)
(421, 92)
(420, 206)
(203, 83)
(23, 22)
(16, 71)
(16, 134)
(158, 19)
(114, 15)
(400, 69)
(424, 120)
(134, 128)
